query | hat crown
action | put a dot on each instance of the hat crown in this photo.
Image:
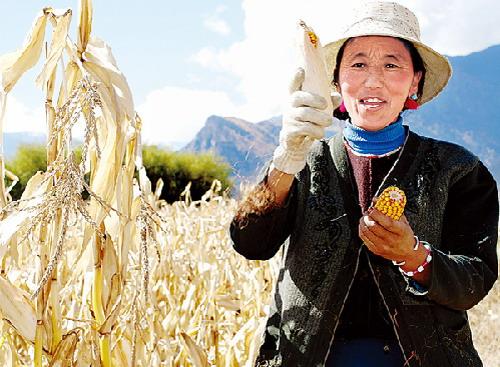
(378, 18)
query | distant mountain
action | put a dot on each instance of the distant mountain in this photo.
(465, 113)
(243, 144)
(246, 146)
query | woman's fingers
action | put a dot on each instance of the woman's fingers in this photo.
(383, 220)
(302, 129)
(369, 237)
(297, 80)
(306, 99)
(309, 114)
(373, 226)
(386, 237)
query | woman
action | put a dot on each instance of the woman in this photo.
(356, 287)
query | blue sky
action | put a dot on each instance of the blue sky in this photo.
(162, 35)
(186, 60)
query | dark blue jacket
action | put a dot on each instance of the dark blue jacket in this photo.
(452, 204)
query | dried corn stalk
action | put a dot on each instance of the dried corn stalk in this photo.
(94, 259)
(45, 218)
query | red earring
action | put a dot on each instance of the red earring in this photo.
(342, 107)
(411, 102)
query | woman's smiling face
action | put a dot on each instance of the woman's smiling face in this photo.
(376, 77)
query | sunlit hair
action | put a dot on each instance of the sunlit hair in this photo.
(256, 201)
(418, 65)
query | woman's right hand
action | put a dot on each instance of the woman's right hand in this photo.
(303, 121)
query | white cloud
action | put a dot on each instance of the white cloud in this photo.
(172, 115)
(19, 117)
(458, 27)
(206, 57)
(214, 22)
(220, 9)
(217, 25)
(264, 60)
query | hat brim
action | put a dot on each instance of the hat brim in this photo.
(437, 67)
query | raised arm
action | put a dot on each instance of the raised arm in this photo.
(265, 217)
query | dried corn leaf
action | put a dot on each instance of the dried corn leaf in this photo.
(117, 113)
(110, 321)
(109, 271)
(59, 35)
(18, 220)
(144, 182)
(85, 24)
(15, 64)
(64, 354)
(17, 309)
(228, 303)
(72, 74)
(122, 353)
(195, 353)
(101, 64)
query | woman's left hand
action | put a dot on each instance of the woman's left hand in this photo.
(386, 237)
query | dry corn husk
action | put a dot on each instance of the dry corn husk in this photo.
(313, 61)
(17, 221)
(17, 309)
(195, 353)
(15, 64)
(64, 353)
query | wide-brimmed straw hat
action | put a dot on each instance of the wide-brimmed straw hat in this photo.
(394, 20)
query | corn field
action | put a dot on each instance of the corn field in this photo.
(122, 278)
(201, 307)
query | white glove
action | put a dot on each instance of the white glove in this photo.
(303, 121)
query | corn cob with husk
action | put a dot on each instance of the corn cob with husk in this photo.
(391, 202)
(313, 62)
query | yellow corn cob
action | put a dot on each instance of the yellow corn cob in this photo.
(313, 38)
(392, 202)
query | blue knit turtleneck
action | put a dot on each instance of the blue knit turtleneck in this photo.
(378, 142)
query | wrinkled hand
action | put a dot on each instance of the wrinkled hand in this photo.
(303, 121)
(386, 237)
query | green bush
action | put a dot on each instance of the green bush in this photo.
(28, 160)
(177, 169)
